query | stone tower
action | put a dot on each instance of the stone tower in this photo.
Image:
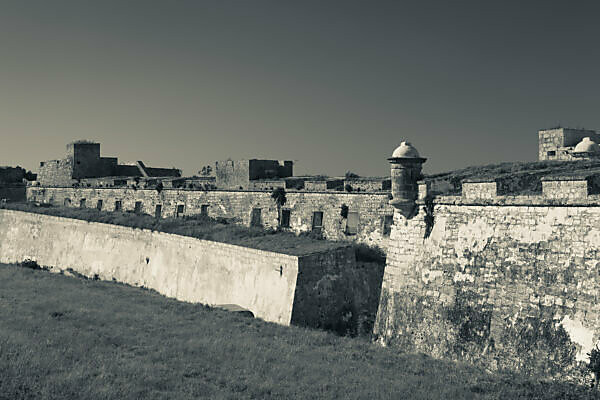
(406, 167)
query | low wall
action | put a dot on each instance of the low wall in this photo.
(177, 266)
(516, 285)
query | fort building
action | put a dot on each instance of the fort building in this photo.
(562, 144)
(238, 174)
(83, 160)
(482, 274)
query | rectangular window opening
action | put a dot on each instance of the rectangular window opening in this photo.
(204, 210)
(138, 207)
(551, 153)
(118, 205)
(99, 205)
(285, 218)
(317, 222)
(352, 223)
(256, 217)
(157, 211)
(180, 209)
(82, 203)
(388, 221)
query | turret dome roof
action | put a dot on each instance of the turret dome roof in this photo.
(587, 145)
(405, 150)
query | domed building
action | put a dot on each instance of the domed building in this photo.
(587, 148)
(560, 143)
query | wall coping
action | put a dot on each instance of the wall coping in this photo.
(174, 236)
(336, 192)
(510, 201)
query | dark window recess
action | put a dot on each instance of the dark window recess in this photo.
(285, 218)
(82, 203)
(255, 217)
(204, 210)
(352, 223)
(388, 221)
(99, 205)
(158, 211)
(551, 153)
(138, 207)
(317, 222)
(67, 202)
(179, 210)
(118, 205)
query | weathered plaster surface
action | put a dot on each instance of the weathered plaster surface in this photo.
(504, 281)
(181, 267)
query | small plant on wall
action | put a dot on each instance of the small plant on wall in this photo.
(594, 364)
(344, 211)
(278, 195)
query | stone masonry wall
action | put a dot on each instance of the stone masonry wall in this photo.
(512, 285)
(185, 268)
(56, 172)
(371, 207)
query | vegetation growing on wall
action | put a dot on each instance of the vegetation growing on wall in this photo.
(534, 345)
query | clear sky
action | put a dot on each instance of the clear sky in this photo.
(334, 85)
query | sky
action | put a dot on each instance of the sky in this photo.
(333, 85)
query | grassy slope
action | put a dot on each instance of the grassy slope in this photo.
(527, 173)
(65, 338)
(198, 226)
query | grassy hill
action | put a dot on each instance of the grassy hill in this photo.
(514, 177)
(68, 338)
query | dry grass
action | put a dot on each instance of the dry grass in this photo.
(67, 338)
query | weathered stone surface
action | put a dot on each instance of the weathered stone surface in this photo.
(372, 208)
(271, 285)
(517, 283)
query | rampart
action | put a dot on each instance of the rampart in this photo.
(513, 280)
(275, 287)
(366, 218)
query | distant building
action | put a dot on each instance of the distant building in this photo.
(560, 144)
(238, 174)
(83, 161)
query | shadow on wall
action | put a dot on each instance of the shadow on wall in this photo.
(341, 300)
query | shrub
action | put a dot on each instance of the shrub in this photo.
(594, 364)
(31, 264)
(344, 211)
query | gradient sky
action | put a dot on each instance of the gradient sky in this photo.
(334, 85)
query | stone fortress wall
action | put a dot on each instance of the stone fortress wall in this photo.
(275, 287)
(368, 218)
(512, 280)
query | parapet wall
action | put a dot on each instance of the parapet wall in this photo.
(565, 190)
(177, 266)
(372, 208)
(514, 281)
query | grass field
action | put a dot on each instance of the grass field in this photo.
(68, 338)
